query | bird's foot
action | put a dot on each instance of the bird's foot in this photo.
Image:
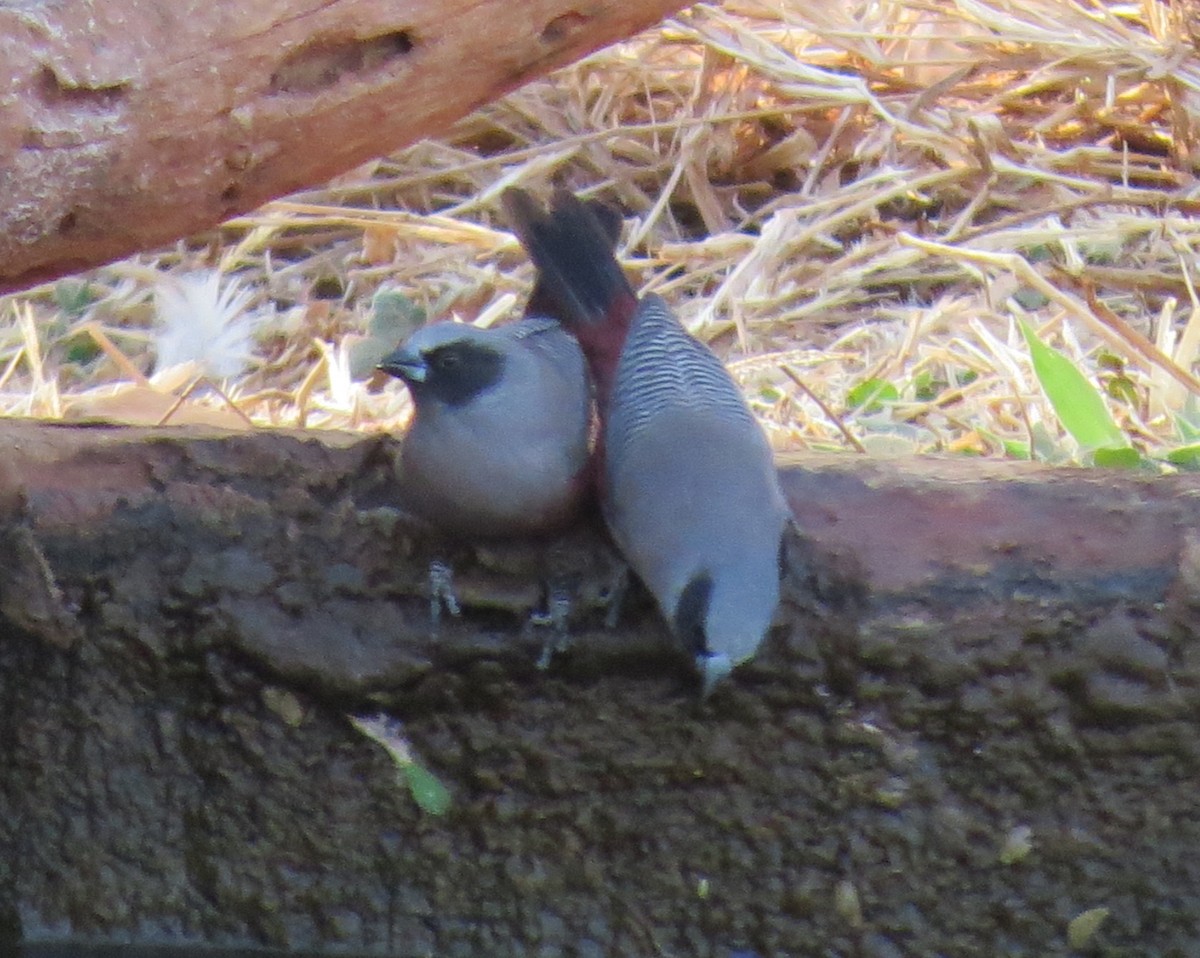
(441, 591)
(557, 618)
(615, 601)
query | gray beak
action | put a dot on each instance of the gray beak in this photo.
(405, 364)
(713, 668)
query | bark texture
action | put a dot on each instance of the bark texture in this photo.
(125, 124)
(978, 721)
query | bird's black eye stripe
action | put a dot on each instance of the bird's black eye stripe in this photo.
(460, 371)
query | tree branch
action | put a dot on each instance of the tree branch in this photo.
(129, 123)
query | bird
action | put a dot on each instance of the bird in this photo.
(499, 443)
(688, 484)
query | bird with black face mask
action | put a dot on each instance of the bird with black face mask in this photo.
(499, 441)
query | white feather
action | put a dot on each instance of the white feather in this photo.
(204, 322)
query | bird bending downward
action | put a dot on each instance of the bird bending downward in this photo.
(499, 441)
(688, 481)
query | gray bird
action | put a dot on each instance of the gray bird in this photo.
(688, 481)
(499, 440)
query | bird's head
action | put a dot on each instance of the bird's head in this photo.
(723, 616)
(448, 363)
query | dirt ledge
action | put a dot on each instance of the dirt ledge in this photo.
(979, 721)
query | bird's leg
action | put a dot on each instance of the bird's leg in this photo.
(441, 591)
(557, 617)
(616, 597)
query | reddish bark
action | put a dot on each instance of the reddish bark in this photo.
(126, 124)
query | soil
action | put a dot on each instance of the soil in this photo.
(959, 759)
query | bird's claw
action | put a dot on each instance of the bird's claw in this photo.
(557, 618)
(441, 591)
(616, 598)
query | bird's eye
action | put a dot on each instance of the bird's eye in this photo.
(448, 360)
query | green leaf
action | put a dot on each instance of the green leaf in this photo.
(1187, 432)
(1122, 389)
(1077, 403)
(1015, 449)
(1049, 446)
(327, 287)
(73, 297)
(1110, 361)
(1101, 252)
(394, 317)
(1123, 457)
(1030, 299)
(1187, 420)
(429, 794)
(926, 387)
(82, 350)
(871, 394)
(1082, 928)
(1185, 457)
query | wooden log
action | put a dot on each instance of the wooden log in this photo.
(981, 708)
(125, 124)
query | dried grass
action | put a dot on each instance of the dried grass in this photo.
(826, 192)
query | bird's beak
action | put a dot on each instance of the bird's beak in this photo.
(713, 668)
(405, 364)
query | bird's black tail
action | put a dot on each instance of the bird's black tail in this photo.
(580, 282)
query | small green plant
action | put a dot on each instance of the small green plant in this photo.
(427, 791)
(1079, 406)
(431, 796)
(73, 297)
(871, 395)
